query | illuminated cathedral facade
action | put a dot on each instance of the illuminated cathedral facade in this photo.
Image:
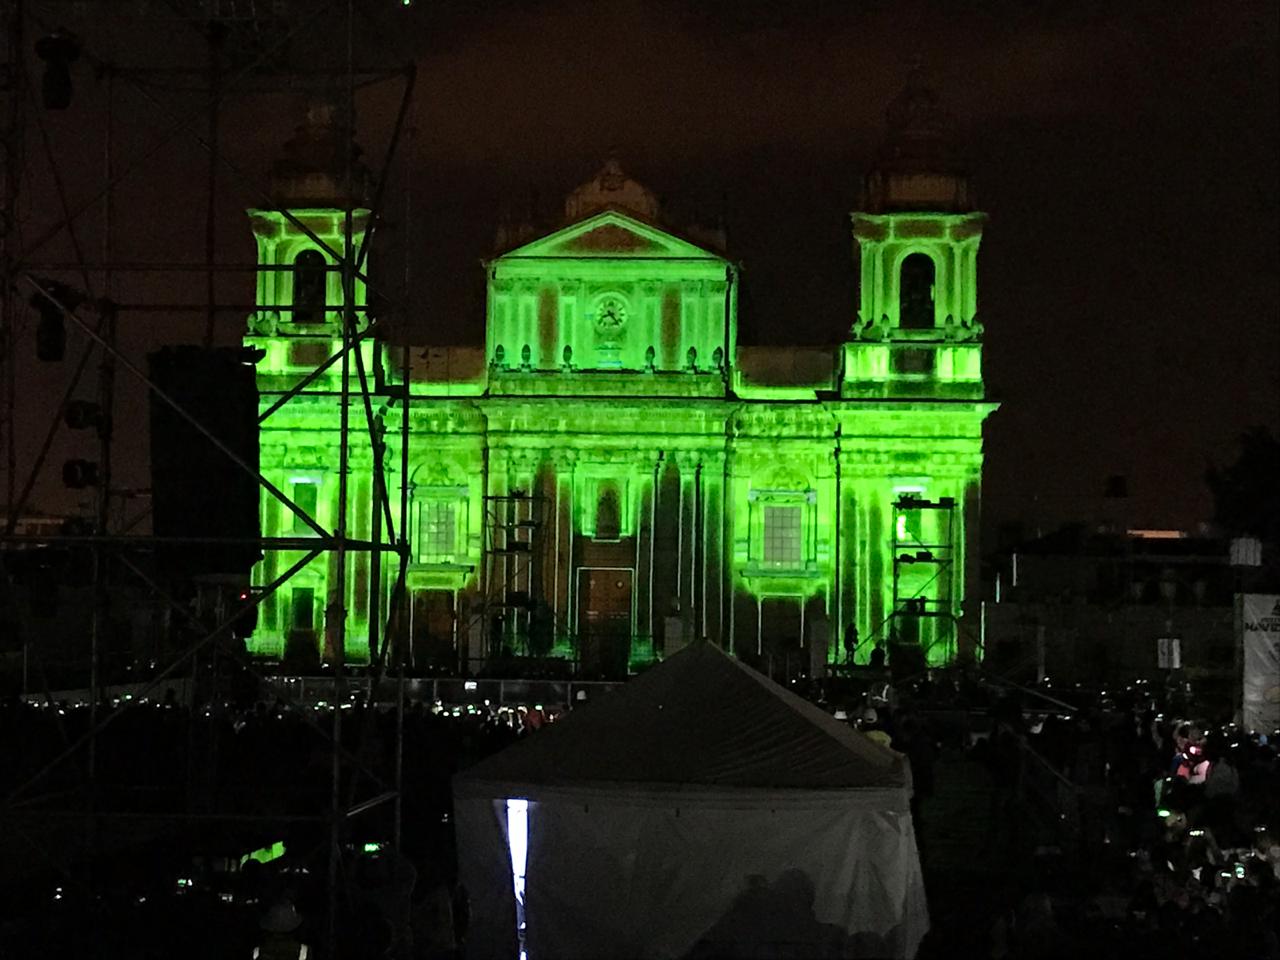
(612, 475)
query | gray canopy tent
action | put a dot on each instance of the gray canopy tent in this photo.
(701, 810)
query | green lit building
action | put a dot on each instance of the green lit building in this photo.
(612, 474)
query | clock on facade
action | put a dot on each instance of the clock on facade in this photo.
(611, 314)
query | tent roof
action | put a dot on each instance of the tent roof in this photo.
(699, 719)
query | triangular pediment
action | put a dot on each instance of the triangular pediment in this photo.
(611, 233)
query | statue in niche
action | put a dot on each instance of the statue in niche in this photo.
(500, 357)
(691, 360)
(650, 356)
(567, 357)
(872, 330)
(264, 323)
(608, 511)
(717, 358)
(973, 328)
(526, 358)
(963, 330)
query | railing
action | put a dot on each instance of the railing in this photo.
(946, 368)
(450, 690)
(1055, 797)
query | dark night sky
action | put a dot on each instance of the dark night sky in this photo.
(1126, 154)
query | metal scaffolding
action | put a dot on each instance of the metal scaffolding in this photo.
(513, 614)
(247, 46)
(923, 549)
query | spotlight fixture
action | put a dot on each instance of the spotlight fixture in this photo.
(82, 414)
(58, 50)
(78, 474)
(51, 331)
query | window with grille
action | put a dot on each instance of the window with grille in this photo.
(437, 531)
(783, 545)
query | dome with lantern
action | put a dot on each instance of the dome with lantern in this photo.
(320, 166)
(611, 188)
(918, 166)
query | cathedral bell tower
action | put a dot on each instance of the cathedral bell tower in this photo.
(319, 218)
(914, 361)
(317, 180)
(917, 331)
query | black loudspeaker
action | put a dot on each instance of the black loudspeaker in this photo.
(197, 491)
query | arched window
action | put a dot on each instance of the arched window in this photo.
(915, 292)
(309, 287)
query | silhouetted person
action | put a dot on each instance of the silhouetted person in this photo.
(1005, 763)
(434, 931)
(279, 934)
(915, 742)
(775, 920)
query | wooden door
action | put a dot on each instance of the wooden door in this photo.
(604, 620)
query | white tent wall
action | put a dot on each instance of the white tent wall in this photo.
(485, 874)
(634, 874)
(701, 810)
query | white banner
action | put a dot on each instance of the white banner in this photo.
(1260, 624)
(1169, 653)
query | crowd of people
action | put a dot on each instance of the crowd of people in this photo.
(257, 877)
(1173, 823)
(1114, 829)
